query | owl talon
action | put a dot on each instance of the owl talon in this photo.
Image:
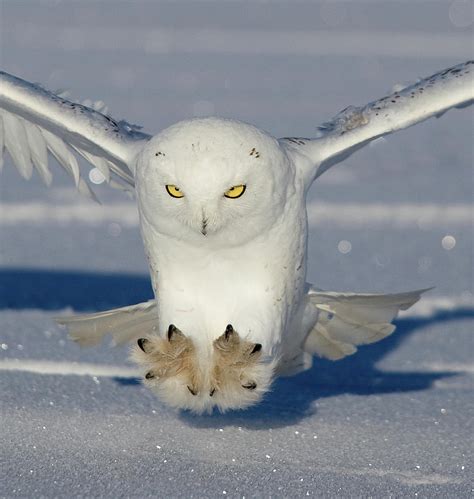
(250, 386)
(143, 343)
(257, 347)
(174, 334)
(229, 331)
(171, 331)
(191, 391)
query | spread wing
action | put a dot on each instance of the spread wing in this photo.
(355, 127)
(34, 121)
(348, 320)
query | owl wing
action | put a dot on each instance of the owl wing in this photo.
(347, 320)
(34, 121)
(355, 127)
(123, 324)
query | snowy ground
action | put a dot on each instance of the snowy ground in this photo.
(396, 418)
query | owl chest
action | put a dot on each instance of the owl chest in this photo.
(252, 288)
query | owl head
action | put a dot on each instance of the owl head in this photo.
(232, 374)
(212, 178)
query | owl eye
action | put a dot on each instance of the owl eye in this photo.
(174, 191)
(235, 192)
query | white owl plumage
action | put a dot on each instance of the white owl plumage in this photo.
(223, 220)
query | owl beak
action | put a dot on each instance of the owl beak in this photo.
(204, 226)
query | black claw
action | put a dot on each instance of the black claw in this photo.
(250, 386)
(229, 330)
(141, 343)
(171, 330)
(257, 347)
(211, 393)
(191, 390)
(149, 375)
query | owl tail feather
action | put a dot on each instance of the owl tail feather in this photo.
(347, 320)
(124, 324)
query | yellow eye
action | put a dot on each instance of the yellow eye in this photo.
(174, 191)
(235, 192)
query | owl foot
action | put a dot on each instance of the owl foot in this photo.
(234, 359)
(167, 357)
(229, 375)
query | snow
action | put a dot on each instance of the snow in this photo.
(393, 420)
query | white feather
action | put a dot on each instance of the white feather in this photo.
(39, 151)
(16, 143)
(84, 189)
(348, 320)
(124, 324)
(100, 163)
(63, 155)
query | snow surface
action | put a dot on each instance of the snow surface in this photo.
(396, 418)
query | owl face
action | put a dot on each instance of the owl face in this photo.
(212, 179)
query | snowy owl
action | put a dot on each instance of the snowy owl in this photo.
(224, 225)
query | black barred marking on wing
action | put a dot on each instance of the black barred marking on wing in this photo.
(296, 140)
(353, 117)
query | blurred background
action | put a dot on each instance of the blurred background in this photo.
(395, 216)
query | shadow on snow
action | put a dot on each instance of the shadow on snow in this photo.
(82, 291)
(290, 400)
